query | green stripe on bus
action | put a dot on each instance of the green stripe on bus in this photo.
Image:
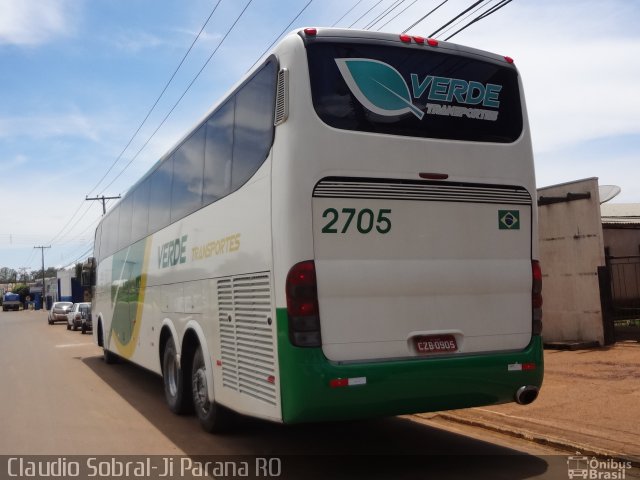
(398, 386)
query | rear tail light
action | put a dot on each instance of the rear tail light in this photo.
(302, 305)
(536, 297)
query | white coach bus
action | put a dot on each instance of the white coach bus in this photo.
(351, 232)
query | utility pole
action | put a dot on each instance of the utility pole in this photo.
(103, 198)
(42, 251)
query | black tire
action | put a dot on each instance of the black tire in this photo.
(109, 357)
(176, 390)
(83, 330)
(214, 418)
(68, 326)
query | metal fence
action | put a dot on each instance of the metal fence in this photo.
(625, 286)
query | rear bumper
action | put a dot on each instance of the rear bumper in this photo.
(398, 387)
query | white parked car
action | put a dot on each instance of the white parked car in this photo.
(59, 311)
(78, 314)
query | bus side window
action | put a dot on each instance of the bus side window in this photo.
(110, 231)
(159, 197)
(124, 228)
(219, 147)
(253, 129)
(188, 164)
(140, 211)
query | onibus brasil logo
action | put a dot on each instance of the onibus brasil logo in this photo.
(381, 89)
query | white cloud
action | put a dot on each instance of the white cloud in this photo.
(578, 64)
(46, 126)
(33, 22)
(135, 42)
(13, 163)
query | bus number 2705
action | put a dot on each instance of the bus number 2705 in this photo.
(364, 220)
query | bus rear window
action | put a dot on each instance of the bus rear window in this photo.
(414, 92)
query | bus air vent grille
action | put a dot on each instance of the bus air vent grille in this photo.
(393, 189)
(227, 334)
(247, 342)
(282, 98)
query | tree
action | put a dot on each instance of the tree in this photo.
(8, 275)
(22, 290)
(49, 272)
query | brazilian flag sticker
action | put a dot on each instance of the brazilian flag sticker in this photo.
(509, 219)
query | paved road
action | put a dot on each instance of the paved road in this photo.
(58, 397)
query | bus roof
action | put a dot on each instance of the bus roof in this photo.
(367, 36)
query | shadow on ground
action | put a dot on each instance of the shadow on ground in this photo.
(382, 448)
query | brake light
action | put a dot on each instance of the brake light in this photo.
(405, 38)
(311, 31)
(302, 305)
(432, 42)
(419, 40)
(508, 59)
(536, 297)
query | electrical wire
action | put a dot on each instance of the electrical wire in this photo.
(284, 30)
(472, 12)
(422, 18)
(384, 12)
(157, 99)
(474, 5)
(365, 13)
(68, 222)
(348, 12)
(143, 121)
(480, 17)
(396, 16)
(181, 96)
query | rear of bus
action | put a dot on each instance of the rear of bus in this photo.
(404, 228)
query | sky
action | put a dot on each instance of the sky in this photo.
(77, 78)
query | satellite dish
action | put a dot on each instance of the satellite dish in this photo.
(607, 192)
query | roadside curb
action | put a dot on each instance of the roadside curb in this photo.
(559, 443)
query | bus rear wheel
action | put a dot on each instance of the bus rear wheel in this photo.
(175, 391)
(213, 417)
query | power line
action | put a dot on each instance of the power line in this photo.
(348, 12)
(42, 248)
(422, 18)
(284, 30)
(159, 97)
(480, 17)
(85, 252)
(456, 17)
(365, 13)
(103, 199)
(472, 12)
(67, 224)
(396, 16)
(181, 96)
(384, 12)
(143, 121)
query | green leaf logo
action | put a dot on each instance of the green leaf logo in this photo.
(378, 86)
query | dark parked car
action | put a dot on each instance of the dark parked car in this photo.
(59, 311)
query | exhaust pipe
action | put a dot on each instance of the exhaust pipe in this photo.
(526, 394)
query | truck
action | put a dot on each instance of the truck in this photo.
(10, 301)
